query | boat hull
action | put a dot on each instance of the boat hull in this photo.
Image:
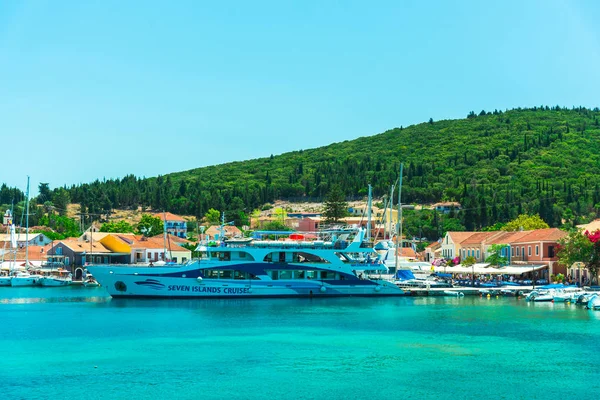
(5, 280)
(126, 283)
(52, 282)
(23, 281)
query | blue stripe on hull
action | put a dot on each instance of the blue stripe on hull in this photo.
(259, 296)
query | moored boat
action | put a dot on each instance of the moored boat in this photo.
(56, 278)
(331, 266)
(24, 279)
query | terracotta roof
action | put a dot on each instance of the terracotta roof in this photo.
(229, 229)
(35, 253)
(508, 237)
(169, 217)
(538, 235)
(479, 237)
(79, 246)
(407, 252)
(156, 242)
(434, 245)
(459, 237)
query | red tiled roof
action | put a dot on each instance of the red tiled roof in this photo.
(169, 217)
(508, 237)
(407, 252)
(434, 245)
(538, 235)
(459, 237)
(479, 237)
(156, 242)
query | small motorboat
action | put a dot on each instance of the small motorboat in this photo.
(90, 281)
(540, 295)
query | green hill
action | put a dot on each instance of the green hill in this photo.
(496, 164)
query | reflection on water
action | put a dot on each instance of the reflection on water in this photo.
(33, 300)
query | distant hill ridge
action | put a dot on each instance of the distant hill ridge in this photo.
(496, 164)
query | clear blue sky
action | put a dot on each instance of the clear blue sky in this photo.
(93, 89)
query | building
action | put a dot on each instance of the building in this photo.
(451, 244)
(174, 224)
(34, 239)
(214, 232)
(446, 207)
(432, 251)
(477, 245)
(538, 247)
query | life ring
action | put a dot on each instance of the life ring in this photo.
(377, 288)
(323, 289)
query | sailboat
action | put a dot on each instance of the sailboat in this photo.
(5, 275)
(24, 278)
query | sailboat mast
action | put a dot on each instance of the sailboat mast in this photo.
(390, 215)
(27, 226)
(369, 214)
(165, 236)
(399, 226)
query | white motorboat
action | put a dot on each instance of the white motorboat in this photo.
(90, 281)
(541, 295)
(594, 303)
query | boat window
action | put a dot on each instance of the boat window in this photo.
(327, 275)
(285, 274)
(227, 274)
(211, 274)
(240, 274)
(299, 274)
(311, 274)
(274, 275)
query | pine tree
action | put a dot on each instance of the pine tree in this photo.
(335, 206)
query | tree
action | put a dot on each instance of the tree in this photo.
(150, 225)
(118, 227)
(525, 222)
(583, 247)
(496, 258)
(212, 216)
(470, 262)
(335, 206)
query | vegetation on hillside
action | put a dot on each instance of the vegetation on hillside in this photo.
(498, 165)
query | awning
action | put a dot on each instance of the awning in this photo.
(486, 269)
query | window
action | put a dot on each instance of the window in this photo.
(528, 250)
(551, 251)
(67, 260)
(174, 259)
(518, 252)
(464, 254)
(59, 251)
(523, 251)
(477, 253)
(512, 252)
(537, 250)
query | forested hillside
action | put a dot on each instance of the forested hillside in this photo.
(496, 164)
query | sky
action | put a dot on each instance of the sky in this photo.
(102, 89)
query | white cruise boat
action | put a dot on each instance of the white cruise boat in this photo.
(337, 266)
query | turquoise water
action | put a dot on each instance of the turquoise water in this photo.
(76, 343)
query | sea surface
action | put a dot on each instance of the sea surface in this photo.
(78, 343)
